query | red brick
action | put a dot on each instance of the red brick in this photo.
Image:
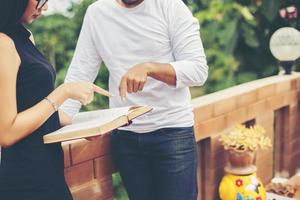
(296, 145)
(215, 160)
(265, 175)
(79, 174)
(291, 98)
(209, 127)
(266, 92)
(213, 144)
(236, 117)
(198, 133)
(298, 82)
(67, 159)
(288, 164)
(200, 180)
(283, 87)
(266, 119)
(267, 122)
(294, 110)
(290, 127)
(294, 84)
(264, 164)
(291, 162)
(247, 98)
(264, 155)
(295, 161)
(94, 190)
(203, 113)
(275, 102)
(295, 134)
(110, 198)
(214, 176)
(103, 166)
(257, 109)
(225, 106)
(211, 192)
(84, 150)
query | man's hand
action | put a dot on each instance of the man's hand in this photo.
(134, 80)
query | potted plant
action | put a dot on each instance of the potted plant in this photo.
(242, 143)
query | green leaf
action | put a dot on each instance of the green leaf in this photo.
(249, 35)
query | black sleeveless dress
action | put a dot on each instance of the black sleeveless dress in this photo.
(31, 170)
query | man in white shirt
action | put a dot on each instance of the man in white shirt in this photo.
(153, 52)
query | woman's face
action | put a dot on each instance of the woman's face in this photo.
(31, 13)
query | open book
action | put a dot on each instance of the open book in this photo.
(94, 123)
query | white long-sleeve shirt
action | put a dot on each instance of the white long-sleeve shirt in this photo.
(162, 31)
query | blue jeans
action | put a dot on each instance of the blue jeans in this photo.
(159, 165)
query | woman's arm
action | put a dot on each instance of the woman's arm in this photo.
(15, 126)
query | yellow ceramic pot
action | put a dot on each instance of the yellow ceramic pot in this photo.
(246, 187)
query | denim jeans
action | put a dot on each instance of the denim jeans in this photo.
(159, 165)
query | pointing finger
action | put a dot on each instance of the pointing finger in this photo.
(101, 91)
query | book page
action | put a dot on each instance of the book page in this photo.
(85, 120)
(105, 115)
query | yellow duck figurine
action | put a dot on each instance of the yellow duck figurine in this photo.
(245, 187)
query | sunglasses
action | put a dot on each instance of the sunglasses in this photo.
(40, 4)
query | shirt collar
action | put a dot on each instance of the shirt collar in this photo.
(20, 31)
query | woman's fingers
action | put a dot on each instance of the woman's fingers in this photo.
(87, 92)
(101, 91)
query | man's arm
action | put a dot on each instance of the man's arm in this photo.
(190, 60)
(188, 69)
(85, 65)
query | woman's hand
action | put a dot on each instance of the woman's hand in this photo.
(83, 91)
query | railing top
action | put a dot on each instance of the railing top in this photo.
(241, 89)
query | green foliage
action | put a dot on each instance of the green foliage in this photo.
(78, 12)
(56, 36)
(119, 190)
(270, 9)
(236, 38)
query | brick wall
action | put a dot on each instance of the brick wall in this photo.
(271, 103)
(88, 168)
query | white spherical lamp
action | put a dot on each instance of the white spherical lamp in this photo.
(285, 46)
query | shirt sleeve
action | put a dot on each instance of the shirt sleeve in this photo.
(190, 61)
(85, 64)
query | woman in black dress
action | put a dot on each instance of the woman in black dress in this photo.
(30, 170)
